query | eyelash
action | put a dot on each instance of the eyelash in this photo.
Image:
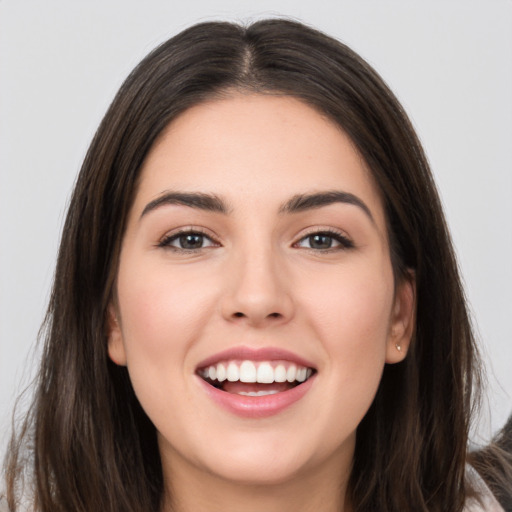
(167, 240)
(343, 241)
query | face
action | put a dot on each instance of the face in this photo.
(255, 305)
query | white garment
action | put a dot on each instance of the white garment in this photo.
(489, 502)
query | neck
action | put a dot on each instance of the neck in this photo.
(191, 490)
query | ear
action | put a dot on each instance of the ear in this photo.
(402, 320)
(116, 349)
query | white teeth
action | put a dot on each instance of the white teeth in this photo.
(232, 373)
(247, 372)
(280, 373)
(301, 374)
(291, 373)
(221, 372)
(265, 373)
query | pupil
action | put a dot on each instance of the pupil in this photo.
(191, 241)
(320, 241)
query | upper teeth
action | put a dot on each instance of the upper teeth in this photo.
(249, 371)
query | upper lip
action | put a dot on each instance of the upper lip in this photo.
(255, 354)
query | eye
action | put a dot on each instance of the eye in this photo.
(187, 241)
(324, 241)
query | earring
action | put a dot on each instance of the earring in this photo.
(398, 347)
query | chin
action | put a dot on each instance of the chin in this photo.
(258, 473)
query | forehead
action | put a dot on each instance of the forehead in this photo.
(253, 148)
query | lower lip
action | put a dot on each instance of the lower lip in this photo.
(257, 406)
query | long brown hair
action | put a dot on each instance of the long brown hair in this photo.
(91, 446)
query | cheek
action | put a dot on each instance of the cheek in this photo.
(353, 325)
(162, 312)
(350, 311)
(361, 290)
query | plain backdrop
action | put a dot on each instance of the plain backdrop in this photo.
(448, 61)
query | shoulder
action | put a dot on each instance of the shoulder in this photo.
(485, 501)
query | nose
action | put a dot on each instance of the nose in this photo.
(257, 291)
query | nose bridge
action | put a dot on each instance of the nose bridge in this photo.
(258, 291)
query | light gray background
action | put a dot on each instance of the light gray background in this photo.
(449, 62)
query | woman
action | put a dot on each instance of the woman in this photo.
(256, 303)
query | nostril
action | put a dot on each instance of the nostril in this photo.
(240, 314)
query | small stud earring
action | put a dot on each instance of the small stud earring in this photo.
(398, 347)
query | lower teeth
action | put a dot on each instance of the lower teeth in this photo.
(257, 393)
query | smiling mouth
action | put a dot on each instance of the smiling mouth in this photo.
(255, 378)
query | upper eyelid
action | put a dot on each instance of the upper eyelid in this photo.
(189, 229)
(313, 230)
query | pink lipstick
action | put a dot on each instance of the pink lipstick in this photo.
(256, 383)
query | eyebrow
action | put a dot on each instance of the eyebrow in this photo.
(303, 202)
(208, 202)
(297, 204)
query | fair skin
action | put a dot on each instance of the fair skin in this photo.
(260, 272)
